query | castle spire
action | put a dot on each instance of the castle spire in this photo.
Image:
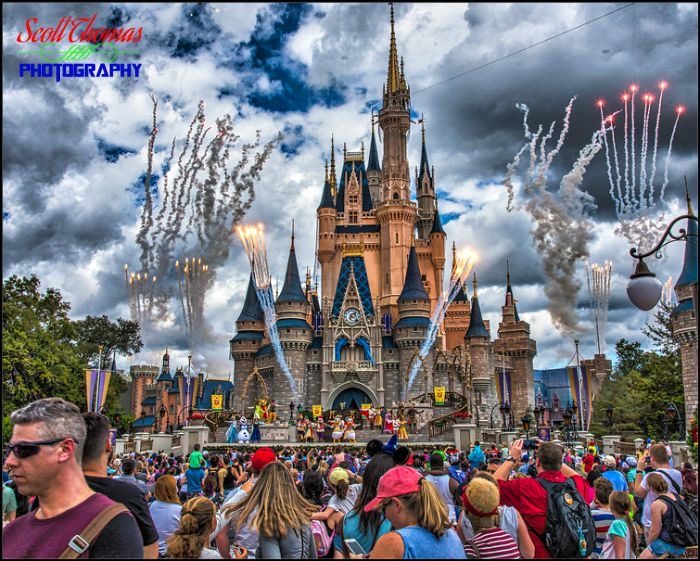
(373, 162)
(251, 307)
(327, 197)
(413, 288)
(333, 182)
(477, 328)
(510, 299)
(393, 74)
(689, 274)
(291, 290)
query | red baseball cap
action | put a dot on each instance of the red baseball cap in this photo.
(262, 457)
(399, 480)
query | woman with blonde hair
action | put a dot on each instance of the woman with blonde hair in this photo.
(279, 513)
(422, 528)
(190, 540)
(165, 510)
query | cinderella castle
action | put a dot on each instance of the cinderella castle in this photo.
(382, 254)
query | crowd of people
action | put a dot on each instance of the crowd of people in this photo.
(66, 493)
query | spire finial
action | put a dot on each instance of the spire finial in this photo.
(332, 178)
(422, 127)
(475, 286)
(392, 82)
(687, 197)
(507, 273)
(326, 178)
(372, 119)
(292, 248)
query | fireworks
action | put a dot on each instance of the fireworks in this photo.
(464, 262)
(204, 193)
(140, 287)
(253, 239)
(193, 281)
(598, 282)
(668, 295)
(561, 229)
(637, 202)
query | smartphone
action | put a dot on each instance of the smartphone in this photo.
(354, 547)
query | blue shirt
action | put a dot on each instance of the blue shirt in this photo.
(351, 529)
(419, 543)
(477, 457)
(194, 480)
(618, 480)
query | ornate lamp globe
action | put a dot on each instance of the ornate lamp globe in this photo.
(644, 289)
(609, 412)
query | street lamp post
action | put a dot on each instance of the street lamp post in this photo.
(526, 420)
(506, 416)
(569, 433)
(609, 422)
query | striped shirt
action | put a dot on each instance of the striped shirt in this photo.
(492, 543)
(602, 519)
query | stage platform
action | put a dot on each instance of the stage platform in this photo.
(222, 446)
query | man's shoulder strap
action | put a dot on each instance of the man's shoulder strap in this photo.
(669, 478)
(81, 542)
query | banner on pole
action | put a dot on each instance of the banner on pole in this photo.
(217, 401)
(316, 410)
(439, 395)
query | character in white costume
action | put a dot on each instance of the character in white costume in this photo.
(337, 430)
(349, 435)
(243, 434)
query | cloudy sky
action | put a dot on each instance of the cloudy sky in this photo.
(74, 152)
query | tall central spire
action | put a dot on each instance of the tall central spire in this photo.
(393, 75)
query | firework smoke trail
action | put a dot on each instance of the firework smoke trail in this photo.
(253, 240)
(635, 202)
(643, 153)
(607, 158)
(662, 86)
(511, 168)
(460, 271)
(627, 206)
(561, 232)
(599, 295)
(533, 161)
(679, 111)
(667, 292)
(617, 162)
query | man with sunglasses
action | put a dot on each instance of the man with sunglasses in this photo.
(44, 457)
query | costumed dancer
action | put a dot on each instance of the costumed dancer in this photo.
(256, 437)
(308, 433)
(395, 424)
(257, 414)
(349, 435)
(320, 429)
(301, 430)
(337, 430)
(379, 419)
(231, 433)
(243, 434)
(388, 423)
(403, 433)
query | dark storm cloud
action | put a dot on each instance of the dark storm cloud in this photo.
(482, 123)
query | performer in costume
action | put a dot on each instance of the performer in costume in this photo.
(257, 414)
(243, 434)
(403, 433)
(309, 433)
(272, 411)
(380, 420)
(395, 424)
(300, 428)
(349, 435)
(256, 437)
(337, 430)
(231, 433)
(388, 424)
(320, 429)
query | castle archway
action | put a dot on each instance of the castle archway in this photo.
(349, 392)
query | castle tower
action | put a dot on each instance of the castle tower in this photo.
(410, 331)
(685, 317)
(374, 170)
(294, 331)
(142, 376)
(478, 343)
(515, 344)
(326, 235)
(246, 343)
(396, 213)
(457, 315)
(163, 381)
(425, 192)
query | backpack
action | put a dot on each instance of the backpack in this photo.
(684, 522)
(324, 541)
(569, 529)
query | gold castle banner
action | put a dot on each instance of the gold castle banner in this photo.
(439, 395)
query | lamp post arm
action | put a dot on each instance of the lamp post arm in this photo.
(682, 235)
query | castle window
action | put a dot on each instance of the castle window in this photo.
(423, 278)
(352, 217)
(289, 330)
(352, 199)
(397, 238)
(395, 196)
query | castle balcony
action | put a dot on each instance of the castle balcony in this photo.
(352, 366)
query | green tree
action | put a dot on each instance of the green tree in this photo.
(45, 353)
(661, 331)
